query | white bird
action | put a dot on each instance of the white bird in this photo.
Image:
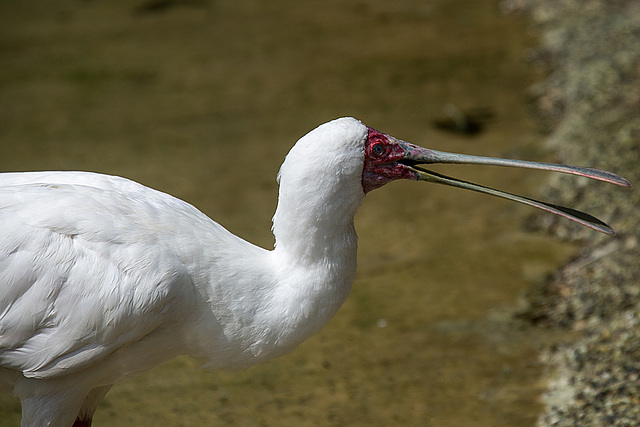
(102, 279)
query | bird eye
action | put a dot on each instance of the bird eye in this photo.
(377, 149)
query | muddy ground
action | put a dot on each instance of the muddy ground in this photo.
(202, 99)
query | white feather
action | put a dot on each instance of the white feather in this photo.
(102, 278)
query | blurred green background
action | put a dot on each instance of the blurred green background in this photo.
(203, 98)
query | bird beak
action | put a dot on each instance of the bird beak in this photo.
(415, 155)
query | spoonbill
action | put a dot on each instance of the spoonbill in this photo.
(102, 279)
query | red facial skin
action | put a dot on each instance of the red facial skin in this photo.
(381, 155)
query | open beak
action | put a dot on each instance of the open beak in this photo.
(416, 155)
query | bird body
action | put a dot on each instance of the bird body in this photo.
(102, 278)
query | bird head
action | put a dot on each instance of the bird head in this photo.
(387, 159)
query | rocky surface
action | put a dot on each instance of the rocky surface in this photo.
(590, 102)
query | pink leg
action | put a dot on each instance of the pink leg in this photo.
(82, 422)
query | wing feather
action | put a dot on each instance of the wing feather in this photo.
(88, 264)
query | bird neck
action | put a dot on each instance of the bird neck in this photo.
(282, 296)
(316, 227)
(315, 258)
(316, 244)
